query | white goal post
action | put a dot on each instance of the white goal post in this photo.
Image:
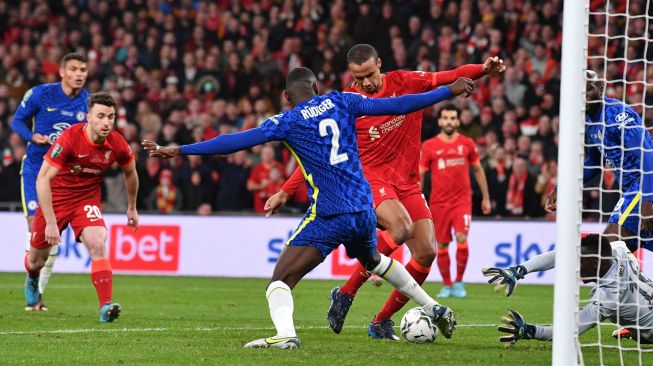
(570, 160)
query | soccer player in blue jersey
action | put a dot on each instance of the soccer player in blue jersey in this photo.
(45, 112)
(320, 132)
(614, 133)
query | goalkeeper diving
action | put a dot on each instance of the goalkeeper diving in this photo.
(622, 294)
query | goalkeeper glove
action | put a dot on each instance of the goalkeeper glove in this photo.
(505, 277)
(517, 328)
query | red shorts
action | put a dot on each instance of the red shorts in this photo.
(410, 196)
(79, 215)
(446, 218)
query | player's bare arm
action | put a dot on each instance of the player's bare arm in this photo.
(274, 203)
(131, 183)
(479, 174)
(158, 151)
(462, 86)
(494, 65)
(44, 191)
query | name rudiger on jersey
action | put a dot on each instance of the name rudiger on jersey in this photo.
(314, 111)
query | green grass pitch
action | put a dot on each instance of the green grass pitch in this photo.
(189, 320)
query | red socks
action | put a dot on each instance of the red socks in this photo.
(385, 245)
(462, 255)
(102, 277)
(397, 300)
(444, 264)
(32, 274)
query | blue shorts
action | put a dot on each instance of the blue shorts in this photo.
(29, 170)
(626, 215)
(356, 230)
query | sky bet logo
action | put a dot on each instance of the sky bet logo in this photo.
(513, 253)
(275, 246)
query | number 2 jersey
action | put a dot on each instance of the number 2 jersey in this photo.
(321, 135)
(82, 163)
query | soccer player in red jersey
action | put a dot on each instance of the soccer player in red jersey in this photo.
(449, 156)
(68, 187)
(389, 148)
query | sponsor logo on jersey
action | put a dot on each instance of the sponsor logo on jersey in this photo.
(153, 248)
(80, 116)
(59, 127)
(392, 124)
(374, 133)
(56, 150)
(67, 114)
(26, 97)
(621, 117)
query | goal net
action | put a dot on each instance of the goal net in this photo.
(613, 51)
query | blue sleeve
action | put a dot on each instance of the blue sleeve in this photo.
(276, 127)
(226, 144)
(592, 164)
(637, 141)
(27, 109)
(361, 106)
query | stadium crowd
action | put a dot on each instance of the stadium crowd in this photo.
(186, 71)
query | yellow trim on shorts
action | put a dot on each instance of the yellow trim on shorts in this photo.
(316, 191)
(22, 186)
(630, 207)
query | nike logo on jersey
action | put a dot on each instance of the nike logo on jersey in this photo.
(94, 220)
(82, 155)
(51, 109)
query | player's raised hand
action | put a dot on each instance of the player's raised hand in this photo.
(494, 65)
(551, 200)
(159, 151)
(462, 86)
(274, 203)
(39, 139)
(504, 277)
(132, 219)
(517, 328)
(52, 234)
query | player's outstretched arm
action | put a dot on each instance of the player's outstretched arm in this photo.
(507, 277)
(131, 183)
(44, 192)
(411, 102)
(223, 144)
(516, 327)
(26, 110)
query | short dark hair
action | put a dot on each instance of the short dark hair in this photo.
(449, 107)
(595, 244)
(300, 81)
(361, 53)
(102, 98)
(74, 56)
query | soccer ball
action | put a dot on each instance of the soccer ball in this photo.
(418, 327)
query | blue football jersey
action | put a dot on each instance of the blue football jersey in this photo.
(51, 112)
(321, 134)
(617, 136)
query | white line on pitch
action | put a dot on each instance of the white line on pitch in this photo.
(192, 329)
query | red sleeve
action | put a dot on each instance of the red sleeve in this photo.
(425, 156)
(473, 157)
(294, 182)
(59, 152)
(418, 81)
(473, 71)
(124, 152)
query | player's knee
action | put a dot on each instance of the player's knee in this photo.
(425, 255)
(401, 231)
(461, 238)
(443, 245)
(37, 262)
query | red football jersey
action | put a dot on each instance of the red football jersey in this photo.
(82, 163)
(449, 165)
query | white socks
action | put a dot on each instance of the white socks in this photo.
(281, 308)
(46, 271)
(393, 272)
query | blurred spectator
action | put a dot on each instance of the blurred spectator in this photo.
(165, 197)
(261, 178)
(233, 174)
(521, 192)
